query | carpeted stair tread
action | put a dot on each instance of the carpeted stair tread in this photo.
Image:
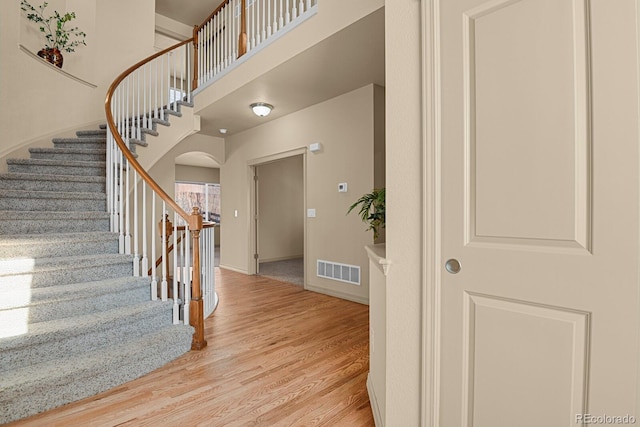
(37, 265)
(57, 244)
(29, 222)
(92, 133)
(69, 291)
(41, 387)
(56, 178)
(96, 330)
(49, 167)
(57, 153)
(53, 215)
(81, 140)
(48, 162)
(76, 195)
(64, 301)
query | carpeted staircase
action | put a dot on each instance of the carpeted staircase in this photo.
(73, 320)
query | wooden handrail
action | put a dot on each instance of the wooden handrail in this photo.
(214, 13)
(194, 220)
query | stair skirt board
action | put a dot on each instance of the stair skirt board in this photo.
(74, 321)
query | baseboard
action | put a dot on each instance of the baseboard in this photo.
(377, 418)
(237, 270)
(283, 258)
(337, 294)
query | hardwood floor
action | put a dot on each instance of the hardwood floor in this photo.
(277, 356)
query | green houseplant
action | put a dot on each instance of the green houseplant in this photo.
(372, 210)
(57, 36)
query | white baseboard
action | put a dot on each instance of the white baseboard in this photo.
(237, 270)
(377, 418)
(337, 294)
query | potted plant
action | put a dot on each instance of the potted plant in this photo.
(372, 210)
(58, 37)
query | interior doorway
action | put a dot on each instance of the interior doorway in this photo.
(279, 219)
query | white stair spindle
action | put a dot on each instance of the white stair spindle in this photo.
(121, 239)
(136, 255)
(265, 19)
(269, 27)
(154, 279)
(280, 17)
(294, 10)
(145, 259)
(288, 16)
(138, 116)
(301, 8)
(176, 309)
(187, 275)
(163, 284)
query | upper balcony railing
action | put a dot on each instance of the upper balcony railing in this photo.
(237, 27)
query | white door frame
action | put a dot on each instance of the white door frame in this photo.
(251, 165)
(431, 238)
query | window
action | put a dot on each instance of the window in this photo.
(205, 196)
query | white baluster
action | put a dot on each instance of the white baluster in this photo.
(288, 19)
(269, 28)
(265, 19)
(154, 280)
(253, 24)
(280, 17)
(294, 10)
(187, 279)
(136, 255)
(301, 7)
(145, 258)
(308, 4)
(176, 309)
(121, 239)
(163, 284)
(156, 112)
(162, 104)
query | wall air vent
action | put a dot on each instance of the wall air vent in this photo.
(340, 272)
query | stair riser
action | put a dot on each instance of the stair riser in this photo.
(69, 187)
(82, 157)
(58, 170)
(65, 276)
(76, 306)
(52, 205)
(64, 343)
(34, 226)
(59, 250)
(81, 145)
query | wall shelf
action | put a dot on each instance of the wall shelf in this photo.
(53, 67)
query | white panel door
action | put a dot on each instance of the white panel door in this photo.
(539, 205)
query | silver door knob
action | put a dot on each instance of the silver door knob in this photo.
(453, 266)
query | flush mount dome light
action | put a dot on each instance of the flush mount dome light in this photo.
(261, 109)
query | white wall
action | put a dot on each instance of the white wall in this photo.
(38, 102)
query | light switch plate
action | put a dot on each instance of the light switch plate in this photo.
(342, 187)
(311, 213)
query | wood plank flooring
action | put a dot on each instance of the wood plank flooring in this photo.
(277, 356)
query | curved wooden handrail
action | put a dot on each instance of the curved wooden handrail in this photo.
(123, 147)
(194, 220)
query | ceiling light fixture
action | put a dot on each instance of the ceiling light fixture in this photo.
(261, 109)
(223, 131)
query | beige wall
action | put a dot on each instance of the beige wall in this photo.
(344, 127)
(197, 174)
(58, 105)
(404, 212)
(281, 209)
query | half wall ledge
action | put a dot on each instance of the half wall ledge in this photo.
(377, 254)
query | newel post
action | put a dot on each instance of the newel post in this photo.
(242, 40)
(195, 57)
(196, 305)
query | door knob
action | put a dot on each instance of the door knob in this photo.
(453, 266)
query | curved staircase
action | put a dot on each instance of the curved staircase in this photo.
(73, 320)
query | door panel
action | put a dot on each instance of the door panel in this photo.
(539, 184)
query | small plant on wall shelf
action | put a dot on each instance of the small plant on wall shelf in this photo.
(57, 36)
(372, 210)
